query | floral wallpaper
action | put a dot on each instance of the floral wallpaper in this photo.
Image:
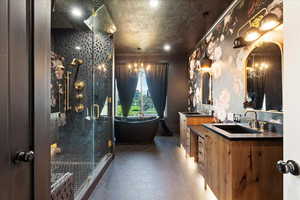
(228, 63)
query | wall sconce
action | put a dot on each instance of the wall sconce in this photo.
(206, 62)
(252, 34)
(269, 22)
(259, 24)
(239, 42)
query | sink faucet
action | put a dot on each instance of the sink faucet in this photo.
(253, 123)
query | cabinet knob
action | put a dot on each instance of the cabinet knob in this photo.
(24, 156)
(288, 167)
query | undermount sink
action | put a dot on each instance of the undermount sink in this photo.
(236, 129)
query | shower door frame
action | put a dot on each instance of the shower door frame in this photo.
(41, 86)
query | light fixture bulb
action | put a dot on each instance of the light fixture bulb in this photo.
(78, 48)
(252, 35)
(269, 22)
(153, 3)
(76, 12)
(148, 67)
(206, 63)
(167, 47)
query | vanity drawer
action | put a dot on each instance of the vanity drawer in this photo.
(201, 154)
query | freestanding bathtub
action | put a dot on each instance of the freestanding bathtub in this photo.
(135, 130)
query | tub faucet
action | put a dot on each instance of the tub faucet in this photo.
(254, 122)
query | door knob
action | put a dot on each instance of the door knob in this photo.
(24, 156)
(288, 167)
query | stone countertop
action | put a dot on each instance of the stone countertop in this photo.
(194, 114)
(199, 129)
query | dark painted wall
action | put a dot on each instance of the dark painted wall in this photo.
(177, 91)
(177, 83)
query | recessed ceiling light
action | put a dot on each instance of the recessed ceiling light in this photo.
(167, 47)
(76, 12)
(153, 3)
(78, 48)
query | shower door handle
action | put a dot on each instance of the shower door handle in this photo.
(23, 156)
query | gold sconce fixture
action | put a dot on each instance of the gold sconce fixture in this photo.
(239, 42)
(252, 34)
(206, 62)
(79, 108)
(76, 61)
(256, 27)
(79, 85)
(269, 22)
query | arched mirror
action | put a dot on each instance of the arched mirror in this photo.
(264, 78)
(207, 88)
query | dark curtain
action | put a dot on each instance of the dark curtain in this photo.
(157, 81)
(273, 87)
(256, 85)
(256, 88)
(126, 84)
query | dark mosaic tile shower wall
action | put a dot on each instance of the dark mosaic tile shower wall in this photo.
(94, 51)
(82, 140)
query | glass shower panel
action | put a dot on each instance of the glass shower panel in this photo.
(101, 24)
(72, 97)
(81, 97)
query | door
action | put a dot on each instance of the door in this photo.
(291, 95)
(21, 113)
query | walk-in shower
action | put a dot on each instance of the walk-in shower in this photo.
(81, 92)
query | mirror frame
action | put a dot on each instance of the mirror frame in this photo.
(210, 89)
(254, 46)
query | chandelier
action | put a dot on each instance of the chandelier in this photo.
(139, 66)
(257, 70)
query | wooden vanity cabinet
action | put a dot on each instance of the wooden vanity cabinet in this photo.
(241, 169)
(187, 140)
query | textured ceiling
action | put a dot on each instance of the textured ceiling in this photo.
(181, 23)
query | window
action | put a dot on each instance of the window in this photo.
(142, 104)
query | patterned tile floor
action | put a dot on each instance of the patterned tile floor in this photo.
(80, 171)
(152, 172)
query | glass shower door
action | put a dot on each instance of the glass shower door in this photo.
(72, 95)
(101, 23)
(81, 101)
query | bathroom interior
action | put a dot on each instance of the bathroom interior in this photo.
(156, 100)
